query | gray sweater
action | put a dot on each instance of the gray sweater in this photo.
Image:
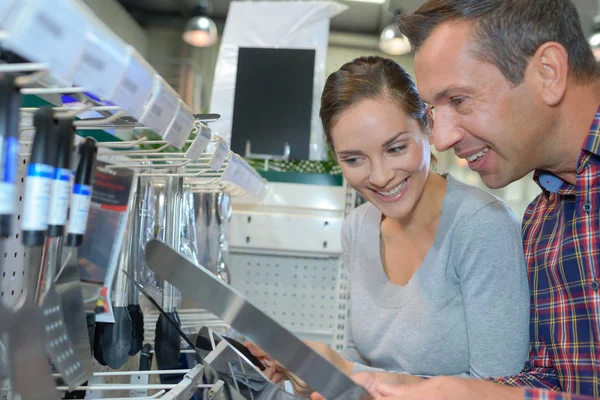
(464, 312)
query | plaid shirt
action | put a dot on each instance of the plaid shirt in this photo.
(561, 241)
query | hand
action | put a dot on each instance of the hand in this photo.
(383, 386)
(277, 373)
(332, 356)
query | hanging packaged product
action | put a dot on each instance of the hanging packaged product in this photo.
(103, 236)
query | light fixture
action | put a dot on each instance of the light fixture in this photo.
(200, 30)
(392, 41)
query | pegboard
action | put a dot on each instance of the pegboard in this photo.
(13, 253)
(298, 292)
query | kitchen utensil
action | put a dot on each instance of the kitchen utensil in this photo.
(38, 184)
(116, 338)
(176, 326)
(21, 330)
(223, 211)
(59, 205)
(135, 312)
(68, 281)
(40, 171)
(167, 343)
(211, 293)
(10, 101)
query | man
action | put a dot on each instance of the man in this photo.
(515, 88)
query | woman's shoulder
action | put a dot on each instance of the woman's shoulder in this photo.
(470, 201)
(365, 213)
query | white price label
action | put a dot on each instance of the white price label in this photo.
(135, 87)
(59, 201)
(80, 208)
(38, 184)
(219, 155)
(49, 32)
(102, 62)
(181, 127)
(230, 171)
(199, 144)
(160, 110)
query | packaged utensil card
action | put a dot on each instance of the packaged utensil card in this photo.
(101, 246)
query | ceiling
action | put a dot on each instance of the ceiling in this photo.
(365, 16)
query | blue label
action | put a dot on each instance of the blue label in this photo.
(11, 160)
(40, 170)
(61, 174)
(84, 190)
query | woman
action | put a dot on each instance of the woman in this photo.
(436, 268)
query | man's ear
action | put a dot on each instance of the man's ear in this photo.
(550, 68)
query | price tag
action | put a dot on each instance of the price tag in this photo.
(230, 170)
(199, 144)
(101, 64)
(159, 111)
(218, 155)
(135, 86)
(47, 31)
(181, 126)
(242, 175)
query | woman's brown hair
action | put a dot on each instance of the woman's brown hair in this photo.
(369, 78)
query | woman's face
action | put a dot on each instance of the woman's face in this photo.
(384, 155)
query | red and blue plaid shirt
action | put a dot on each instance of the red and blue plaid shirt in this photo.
(561, 241)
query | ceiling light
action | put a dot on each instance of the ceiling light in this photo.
(200, 30)
(393, 42)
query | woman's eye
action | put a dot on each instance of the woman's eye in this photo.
(350, 161)
(397, 149)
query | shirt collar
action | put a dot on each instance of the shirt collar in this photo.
(590, 152)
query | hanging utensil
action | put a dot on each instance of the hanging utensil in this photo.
(116, 338)
(167, 344)
(223, 208)
(135, 312)
(38, 183)
(59, 206)
(10, 101)
(21, 330)
(68, 281)
(36, 198)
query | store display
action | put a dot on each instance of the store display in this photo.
(76, 275)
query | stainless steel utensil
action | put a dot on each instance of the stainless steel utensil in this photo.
(230, 305)
(223, 209)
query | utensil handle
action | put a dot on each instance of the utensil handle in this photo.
(82, 192)
(10, 101)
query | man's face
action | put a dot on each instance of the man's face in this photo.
(493, 125)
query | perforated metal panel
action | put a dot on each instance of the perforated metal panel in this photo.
(298, 292)
(12, 251)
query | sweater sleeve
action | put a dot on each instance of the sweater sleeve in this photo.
(491, 269)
